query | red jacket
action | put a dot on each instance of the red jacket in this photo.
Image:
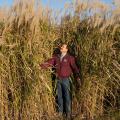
(63, 68)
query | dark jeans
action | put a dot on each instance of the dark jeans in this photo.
(64, 96)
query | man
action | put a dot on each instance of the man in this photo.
(64, 65)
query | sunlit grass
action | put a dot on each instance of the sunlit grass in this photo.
(28, 35)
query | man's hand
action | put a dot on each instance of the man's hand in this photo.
(78, 83)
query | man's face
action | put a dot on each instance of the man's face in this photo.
(64, 48)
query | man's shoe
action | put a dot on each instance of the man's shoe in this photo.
(68, 117)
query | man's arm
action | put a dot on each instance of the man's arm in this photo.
(74, 66)
(49, 63)
(75, 70)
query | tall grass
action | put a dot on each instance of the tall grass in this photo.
(29, 33)
(28, 37)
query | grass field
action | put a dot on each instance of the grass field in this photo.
(29, 33)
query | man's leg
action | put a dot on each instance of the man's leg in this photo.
(60, 98)
(67, 96)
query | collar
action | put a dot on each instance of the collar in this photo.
(67, 54)
(63, 54)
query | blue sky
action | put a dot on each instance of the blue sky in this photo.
(53, 3)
